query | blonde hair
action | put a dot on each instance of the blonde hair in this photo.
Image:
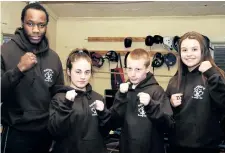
(140, 53)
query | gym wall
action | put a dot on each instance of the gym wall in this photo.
(73, 32)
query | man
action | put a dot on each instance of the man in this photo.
(29, 70)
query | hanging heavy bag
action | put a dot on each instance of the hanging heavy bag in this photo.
(117, 75)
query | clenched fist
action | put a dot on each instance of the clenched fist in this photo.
(99, 105)
(176, 99)
(144, 98)
(70, 95)
(27, 61)
(204, 66)
(124, 87)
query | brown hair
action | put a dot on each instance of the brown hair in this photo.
(205, 53)
(75, 55)
(140, 53)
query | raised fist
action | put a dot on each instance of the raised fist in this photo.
(176, 99)
(99, 105)
(144, 98)
(124, 87)
(204, 66)
(27, 61)
(70, 95)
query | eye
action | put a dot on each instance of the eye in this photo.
(129, 69)
(195, 49)
(30, 24)
(87, 72)
(183, 50)
(41, 25)
(78, 72)
(137, 69)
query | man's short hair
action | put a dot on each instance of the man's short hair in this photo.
(36, 6)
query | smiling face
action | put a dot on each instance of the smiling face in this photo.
(191, 53)
(80, 74)
(35, 25)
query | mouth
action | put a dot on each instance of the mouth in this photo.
(133, 80)
(190, 59)
(35, 37)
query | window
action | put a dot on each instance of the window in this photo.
(6, 37)
(219, 55)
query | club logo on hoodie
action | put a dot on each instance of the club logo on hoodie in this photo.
(93, 110)
(141, 111)
(48, 74)
(198, 92)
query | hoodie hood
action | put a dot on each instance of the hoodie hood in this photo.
(21, 40)
(149, 80)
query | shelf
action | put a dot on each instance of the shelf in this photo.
(123, 52)
(114, 39)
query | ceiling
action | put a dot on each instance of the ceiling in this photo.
(135, 8)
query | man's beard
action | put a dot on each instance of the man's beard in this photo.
(27, 37)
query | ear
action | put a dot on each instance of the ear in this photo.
(148, 69)
(68, 72)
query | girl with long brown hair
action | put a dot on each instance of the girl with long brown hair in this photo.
(197, 96)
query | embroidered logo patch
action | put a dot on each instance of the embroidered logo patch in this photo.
(198, 92)
(48, 74)
(141, 111)
(93, 110)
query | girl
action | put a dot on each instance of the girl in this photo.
(74, 109)
(197, 95)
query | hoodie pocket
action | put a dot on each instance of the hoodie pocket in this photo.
(15, 115)
(134, 146)
(183, 133)
(92, 146)
(137, 128)
(37, 115)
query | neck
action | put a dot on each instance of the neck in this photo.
(190, 69)
(134, 86)
(75, 87)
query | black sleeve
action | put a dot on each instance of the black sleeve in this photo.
(60, 112)
(170, 90)
(118, 110)
(9, 80)
(216, 85)
(60, 77)
(113, 118)
(104, 126)
(159, 110)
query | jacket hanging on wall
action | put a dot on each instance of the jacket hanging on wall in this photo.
(118, 77)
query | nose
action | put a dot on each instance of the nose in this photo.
(82, 76)
(188, 53)
(35, 29)
(133, 73)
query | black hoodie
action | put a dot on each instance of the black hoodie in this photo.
(202, 106)
(75, 124)
(142, 126)
(26, 96)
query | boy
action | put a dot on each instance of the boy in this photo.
(141, 108)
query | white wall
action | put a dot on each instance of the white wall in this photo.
(10, 16)
(73, 32)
